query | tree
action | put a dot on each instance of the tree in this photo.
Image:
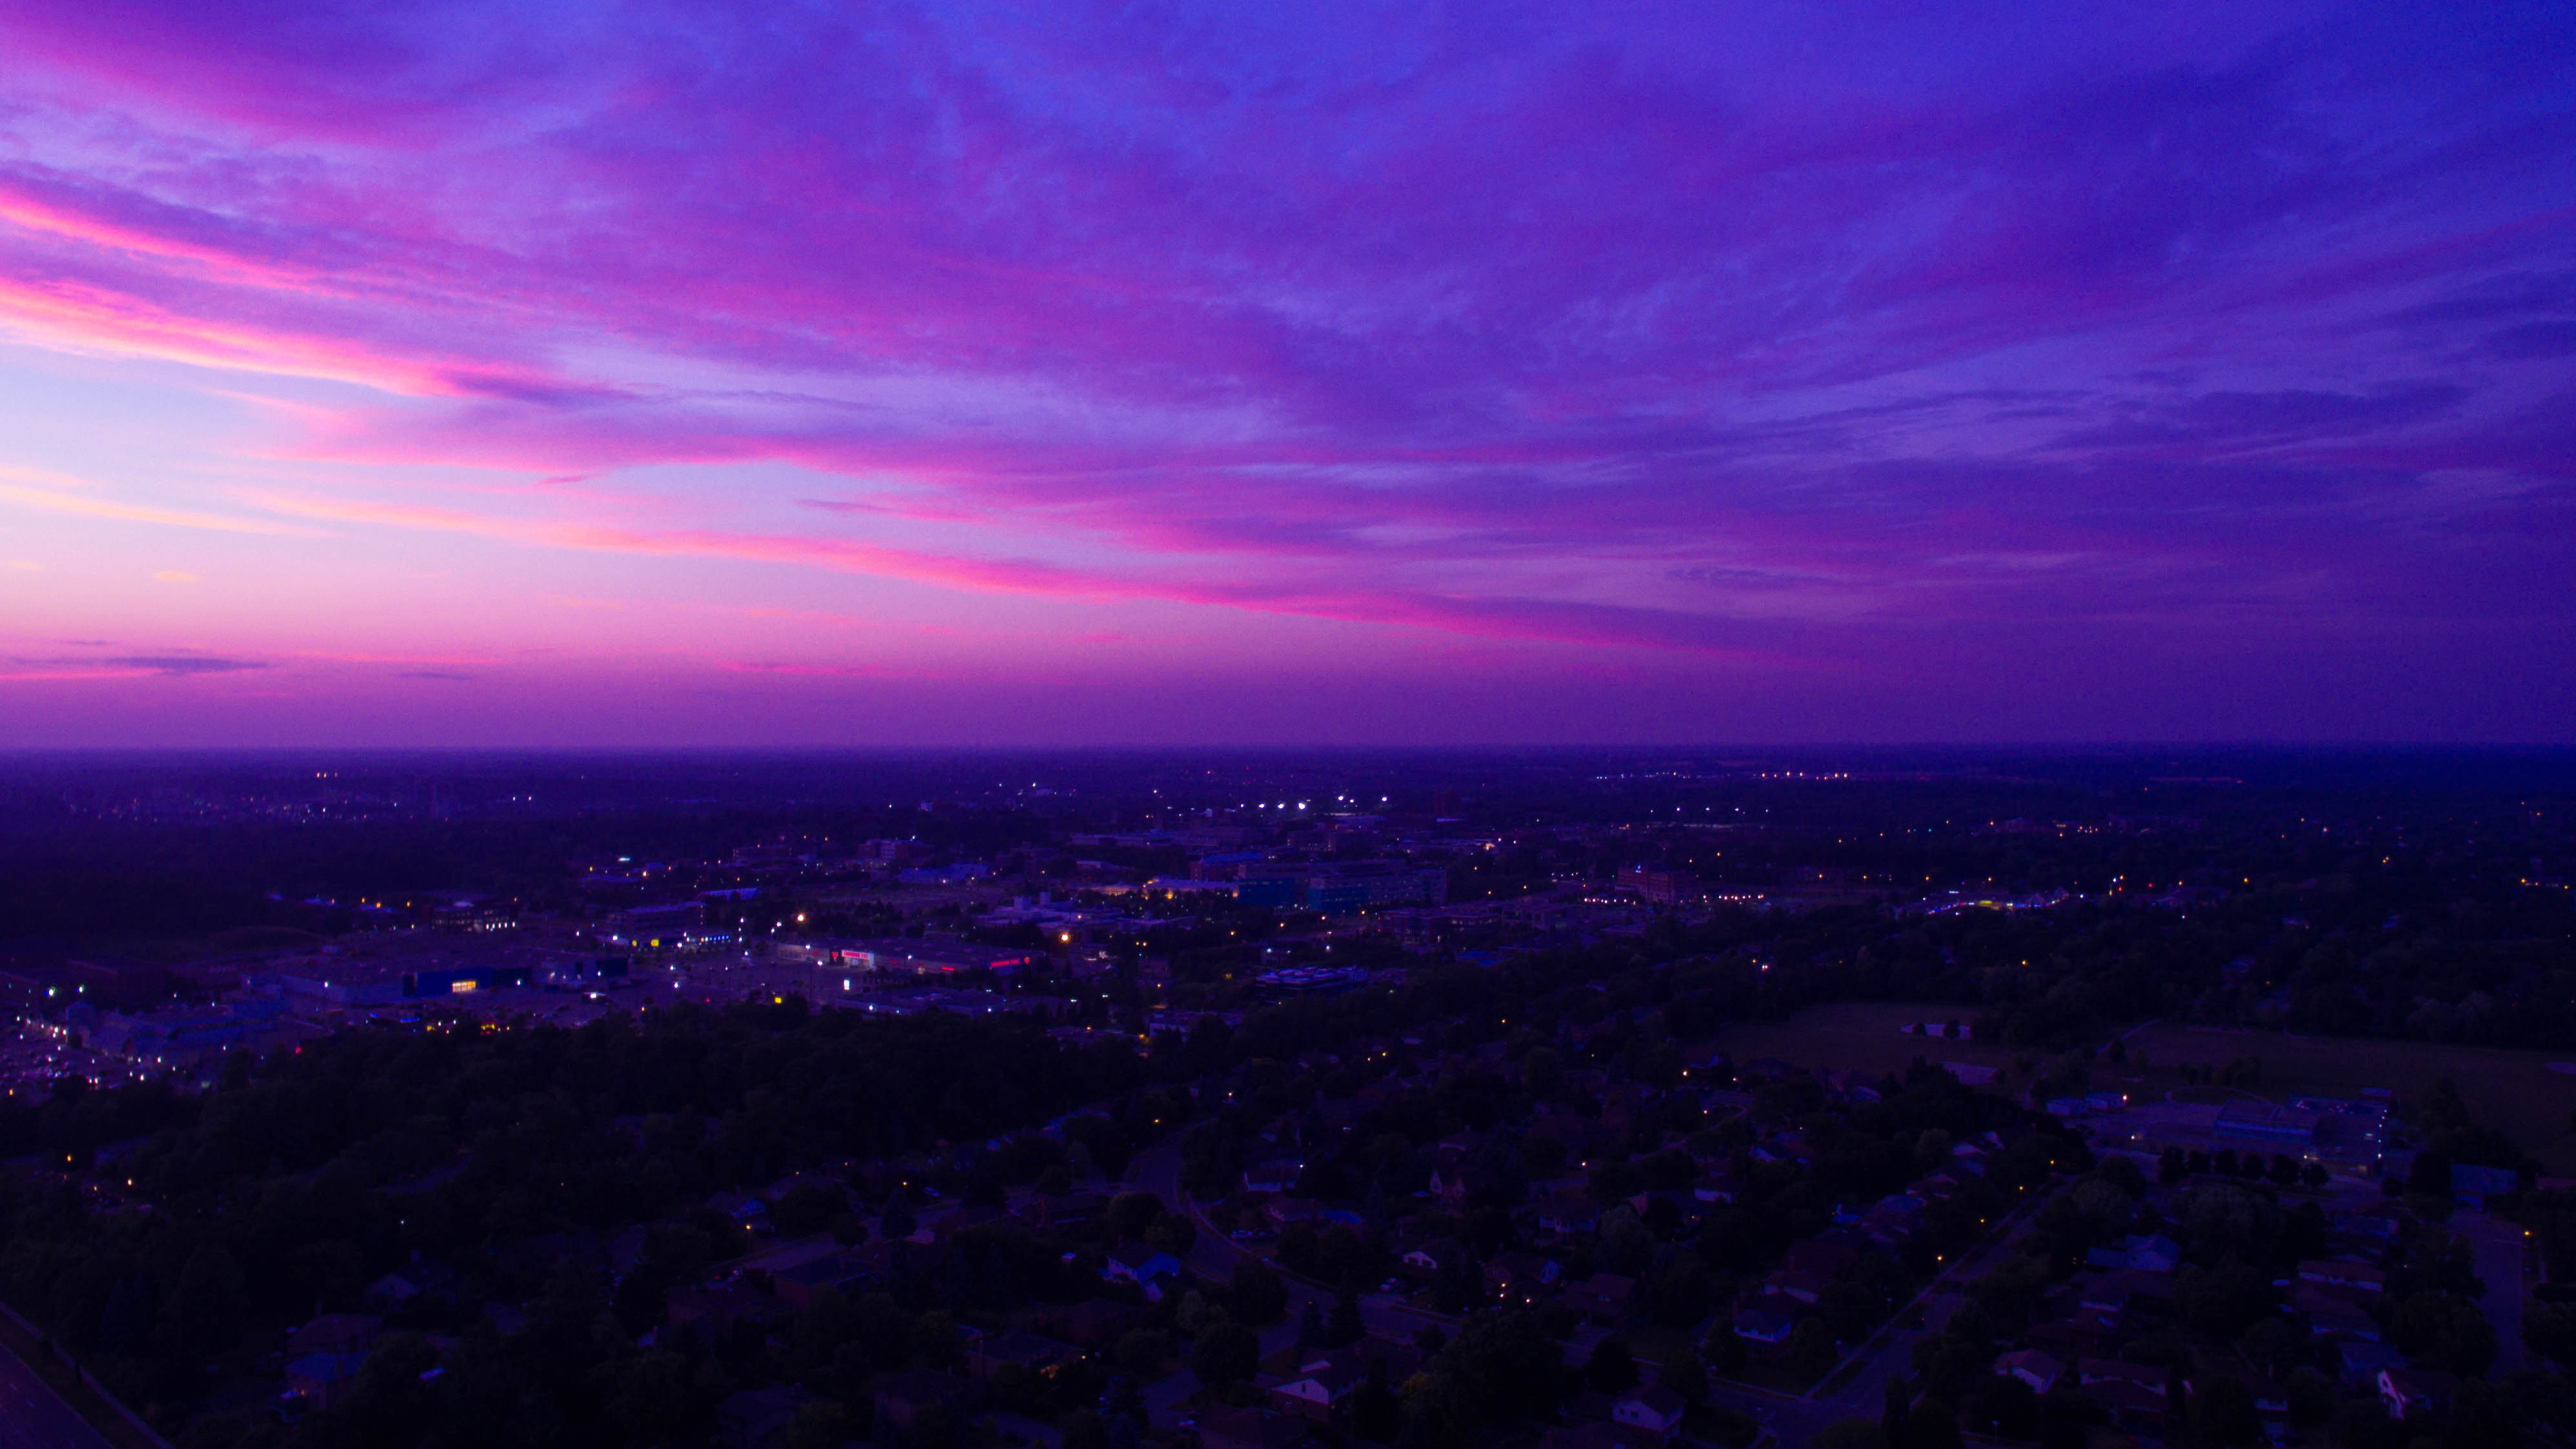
(205, 1311)
(1227, 1354)
(1255, 1292)
(1612, 1369)
(2172, 1166)
(1344, 1325)
(2444, 1332)
(1310, 1325)
(1141, 1352)
(1852, 1433)
(896, 1221)
(1686, 1376)
(2223, 1411)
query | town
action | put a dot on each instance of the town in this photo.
(1597, 1104)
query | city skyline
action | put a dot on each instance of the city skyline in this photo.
(479, 376)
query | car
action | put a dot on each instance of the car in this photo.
(1391, 1285)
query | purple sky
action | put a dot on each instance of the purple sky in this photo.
(561, 373)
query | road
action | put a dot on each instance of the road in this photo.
(2502, 1248)
(33, 1416)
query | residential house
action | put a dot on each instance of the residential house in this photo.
(1567, 1214)
(1253, 1429)
(1521, 1277)
(840, 1272)
(1805, 1285)
(1763, 1326)
(903, 1395)
(1139, 1263)
(742, 1207)
(2413, 1393)
(335, 1333)
(717, 1309)
(1091, 1323)
(753, 1418)
(1603, 1296)
(2032, 1367)
(2473, 1186)
(2344, 1273)
(1320, 1382)
(1655, 1409)
(318, 1378)
(1030, 1351)
(1279, 1174)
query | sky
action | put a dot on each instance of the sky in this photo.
(462, 373)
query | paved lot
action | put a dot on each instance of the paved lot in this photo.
(33, 1416)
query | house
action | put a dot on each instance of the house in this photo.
(2364, 1362)
(2329, 1319)
(742, 1207)
(1601, 1434)
(318, 1378)
(1655, 1409)
(2110, 1370)
(2344, 1273)
(2415, 1393)
(717, 1309)
(335, 1333)
(1823, 1254)
(1140, 1264)
(2130, 1406)
(1716, 1187)
(756, 1417)
(2472, 1186)
(1061, 1210)
(906, 1393)
(2032, 1367)
(1092, 1322)
(1567, 1214)
(1279, 1174)
(1604, 1296)
(1804, 1285)
(2103, 1296)
(1320, 1382)
(1030, 1351)
(1761, 1326)
(1521, 1276)
(840, 1272)
(2153, 1253)
(1285, 1210)
(1253, 1429)
(391, 1292)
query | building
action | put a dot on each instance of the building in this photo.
(1655, 1409)
(1320, 1382)
(1253, 1429)
(2473, 1186)
(841, 966)
(2040, 1371)
(319, 1378)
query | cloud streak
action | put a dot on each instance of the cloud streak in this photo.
(1718, 335)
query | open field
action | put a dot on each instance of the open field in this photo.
(1864, 1036)
(2513, 1091)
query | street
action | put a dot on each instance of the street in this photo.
(33, 1416)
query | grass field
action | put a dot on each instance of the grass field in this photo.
(2513, 1091)
(1857, 1036)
